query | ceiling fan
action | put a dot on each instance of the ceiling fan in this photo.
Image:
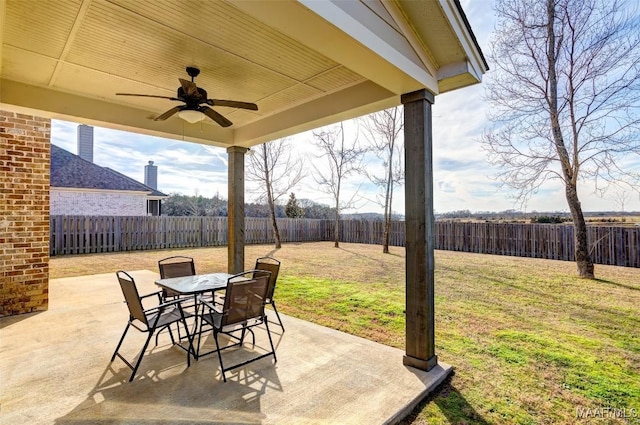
(195, 101)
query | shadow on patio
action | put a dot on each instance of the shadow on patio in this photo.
(55, 369)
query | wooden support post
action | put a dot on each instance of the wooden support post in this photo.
(420, 231)
(235, 247)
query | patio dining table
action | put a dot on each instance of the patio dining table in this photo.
(195, 285)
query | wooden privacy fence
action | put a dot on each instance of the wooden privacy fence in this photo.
(93, 234)
(612, 245)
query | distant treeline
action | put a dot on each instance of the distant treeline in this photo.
(177, 205)
(533, 216)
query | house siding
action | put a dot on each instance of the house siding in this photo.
(99, 202)
(25, 149)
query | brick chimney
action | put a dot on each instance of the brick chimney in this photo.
(85, 142)
(151, 175)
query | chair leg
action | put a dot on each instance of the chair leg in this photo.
(273, 304)
(199, 332)
(245, 328)
(168, 327)
(253, 336)
(179, 333)
(215, 336)
(133, 374)
(190, 338)
(216, 332)
(173, 341)
(273, 350)
(120, 343)
(243, 333)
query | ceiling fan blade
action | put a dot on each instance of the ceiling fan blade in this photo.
(189, 87)
(233, 104)
(167, 114)
(215, 116)
(147, 95)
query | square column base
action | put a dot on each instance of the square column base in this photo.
(420, 363)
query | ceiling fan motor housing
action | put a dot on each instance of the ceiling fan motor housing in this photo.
(193, 101)
(193, 72)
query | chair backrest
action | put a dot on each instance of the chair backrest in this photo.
(131, 296)
(245, 297)
(271, 265)
(176, 266)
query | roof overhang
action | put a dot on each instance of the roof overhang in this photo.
(304, 63)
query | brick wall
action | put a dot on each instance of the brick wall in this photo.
(100, 202)
(25, 149)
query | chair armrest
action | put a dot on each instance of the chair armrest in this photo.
(158, 294)
(163, 306)
(159, 309)
(143, 299)
(206, 303)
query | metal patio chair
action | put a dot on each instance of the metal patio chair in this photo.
(176, 266)
(243, 309)
(148, 320)
(271, 265)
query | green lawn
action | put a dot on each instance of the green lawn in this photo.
(530, 342)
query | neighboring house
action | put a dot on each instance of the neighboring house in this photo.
(80, 187)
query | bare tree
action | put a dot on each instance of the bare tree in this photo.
(564, 99)
(621, 197)
(193, 206)
(343, 159)
(382, 131)
(272, 166)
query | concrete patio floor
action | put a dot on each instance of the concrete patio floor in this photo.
(55, 369)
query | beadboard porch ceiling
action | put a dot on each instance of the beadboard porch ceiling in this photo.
(304, 63)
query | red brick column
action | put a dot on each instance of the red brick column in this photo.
(25, 156)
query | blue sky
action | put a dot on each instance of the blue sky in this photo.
(462, 175)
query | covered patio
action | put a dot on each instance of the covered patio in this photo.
(55, 369)
(304, 64)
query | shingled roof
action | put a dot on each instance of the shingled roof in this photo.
(69, 170)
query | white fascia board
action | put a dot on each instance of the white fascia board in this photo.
(418, 46)
(454, 69)
(476, 64)
(49, 103)
(90, 190)
(345, 17)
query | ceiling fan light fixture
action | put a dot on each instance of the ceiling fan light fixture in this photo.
(191, 116)
(194, 100)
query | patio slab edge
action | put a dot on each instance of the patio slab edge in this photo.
(435, 376)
